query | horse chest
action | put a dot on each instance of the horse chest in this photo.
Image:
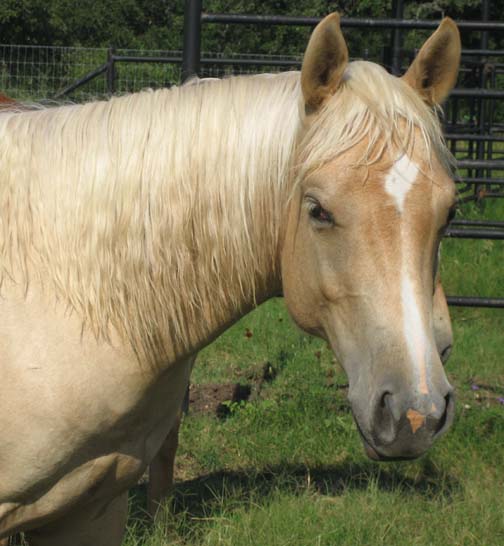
(78, 418)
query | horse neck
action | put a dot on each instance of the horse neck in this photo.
(231, 172)
(172, 201)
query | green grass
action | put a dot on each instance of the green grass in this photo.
(289, 469)
(470, 266)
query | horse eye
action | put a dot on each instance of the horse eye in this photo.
(317, 212)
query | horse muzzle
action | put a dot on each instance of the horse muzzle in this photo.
(405, 427)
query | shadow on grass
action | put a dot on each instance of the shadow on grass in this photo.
(205, 496)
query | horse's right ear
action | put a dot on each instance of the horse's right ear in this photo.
(325, 60)
(434, 71)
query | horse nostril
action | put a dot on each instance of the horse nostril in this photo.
(445, 354)
(385, 400)
(384, 422)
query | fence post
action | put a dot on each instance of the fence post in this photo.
(111, 71)
(398, 13)
(191, 55)
(192, 39)
(482, 105)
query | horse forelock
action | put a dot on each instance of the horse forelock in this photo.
(371, 105)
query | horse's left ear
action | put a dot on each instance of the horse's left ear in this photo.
(434, 71)
(324, 62)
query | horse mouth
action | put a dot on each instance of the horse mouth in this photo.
(373, 453)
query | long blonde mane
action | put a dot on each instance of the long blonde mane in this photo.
(159, 213)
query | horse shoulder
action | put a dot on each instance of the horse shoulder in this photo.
(80, 418)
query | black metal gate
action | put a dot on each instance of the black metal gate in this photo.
(480, 130)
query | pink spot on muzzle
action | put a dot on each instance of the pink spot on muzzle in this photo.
(416, 419)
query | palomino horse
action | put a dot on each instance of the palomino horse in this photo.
(161, 468)
(133, 232)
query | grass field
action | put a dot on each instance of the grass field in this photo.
(288, 468)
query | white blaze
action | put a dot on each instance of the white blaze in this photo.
(398, 183)
(414, 331)
(400, 179)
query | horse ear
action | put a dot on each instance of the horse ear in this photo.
(325, 60)
(434, 71)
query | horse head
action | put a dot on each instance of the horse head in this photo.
(373, 195)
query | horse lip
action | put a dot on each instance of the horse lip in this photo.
(371, 452)
(374, 454)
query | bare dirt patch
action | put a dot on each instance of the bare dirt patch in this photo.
(216, 398)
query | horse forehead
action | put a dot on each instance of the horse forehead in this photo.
(380, 183)
(412, 181)
(397, 178)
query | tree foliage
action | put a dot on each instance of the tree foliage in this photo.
(157, 24)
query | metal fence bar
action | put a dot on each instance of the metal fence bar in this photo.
(486, 223)
(398, 9)
(111, 71)
(472, 181)
(466, 233)
(210, 60)
(85, 79)
(250, 62)
(468, 136)
(478, 196)
(480, 164)
(474, 301)
(483, 52)
(350, 22)
(140, 59)
(192, 39)
(479, 93)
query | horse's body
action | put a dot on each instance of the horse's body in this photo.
(133, 232)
